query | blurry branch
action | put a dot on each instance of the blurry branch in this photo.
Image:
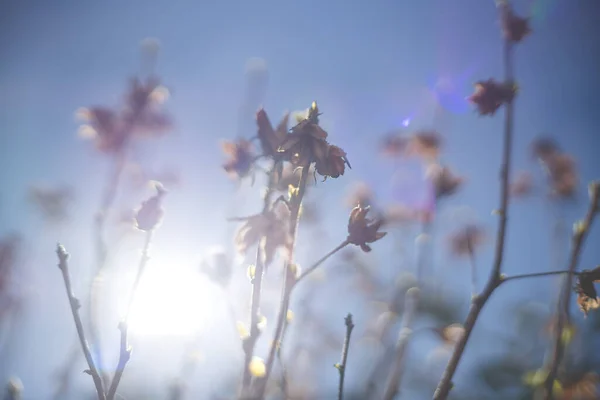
(250, 342)
(341, 367)
(75, 305)
(288, 277)
(580, 232)
(473, 265)
(410, 306)
(410, 310)
(125, 349)
(494, 280)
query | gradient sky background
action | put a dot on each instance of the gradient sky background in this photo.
(369, 64)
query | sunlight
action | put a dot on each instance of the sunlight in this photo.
(171, 301)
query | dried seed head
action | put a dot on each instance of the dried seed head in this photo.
(587, 297)
(490, 95)
(514, 27)
(240, 158)
(362, 230)
(466, 240)
(445, 182)
(522, 185)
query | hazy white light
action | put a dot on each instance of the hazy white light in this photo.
(171, 301)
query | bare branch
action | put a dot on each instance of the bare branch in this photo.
(63, 265)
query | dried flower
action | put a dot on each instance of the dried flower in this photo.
(515, 28)
(544, 147)
(150, 214)
(333, 163)
(563, 175)
(306, 143)
(268, 229)
(522, 185)
(393, 144)
(490, 95)
(362, 230)
(445, 182)
(53, 203)
(587, 297)
(142, 116)
(465, 240)
(241, 158)
(271, 139)
(424, 144)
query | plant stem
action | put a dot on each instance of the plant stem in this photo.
(250, 342)
(75, 305)
(426, 232)
(288, 279)
(410, 311)
(106, 202)
(579, 236)
(494, 280)
(341, 367)
(536, 275)
(125, 349)
(313, 267)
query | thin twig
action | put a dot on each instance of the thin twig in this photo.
(535, 275)
(125, 349)
(494, 280)
(250, 342)
(580, 233)
(341, 367)
(410, 311)
(313, 267)
(63, 256)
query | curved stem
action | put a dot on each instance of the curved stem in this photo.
(75, 305)
(313, 267)
(125, 349)
(494, 280)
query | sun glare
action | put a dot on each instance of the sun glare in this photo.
(171, 301)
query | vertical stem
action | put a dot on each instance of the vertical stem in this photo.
(288, 280)
(564, 307)
(410, 310)
(410, 307)
(75, 305)
(494, 280)
(250, 342)
(106, 202)
(125, 349)
(341, 367)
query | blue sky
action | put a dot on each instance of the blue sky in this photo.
(369, 64)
